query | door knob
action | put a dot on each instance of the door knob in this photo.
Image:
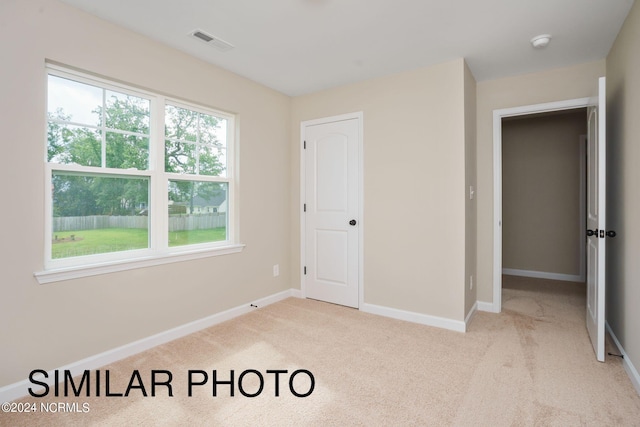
(353, 222)
(592, 232)
(611, 233)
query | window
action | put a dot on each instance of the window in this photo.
(195, 145)
(133, 175)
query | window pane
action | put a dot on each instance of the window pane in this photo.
(213, 134)
(209, 161)
(180, 124)
(95, 214)
(180, 157)
(74, 102)
(127, 151)
(195, 143)
(74, 144)
(197, 212)
(127, 112)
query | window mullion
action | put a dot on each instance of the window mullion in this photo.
(103, 121)
(159, 183)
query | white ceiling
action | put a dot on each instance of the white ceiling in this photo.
(302, 46)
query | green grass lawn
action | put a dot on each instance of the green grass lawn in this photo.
(90, 242)
(180, 238)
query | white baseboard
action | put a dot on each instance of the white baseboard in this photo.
(543, 275)
(470, 315)
(409, 316)
(486, 306)
(20, 389)
(628, 366)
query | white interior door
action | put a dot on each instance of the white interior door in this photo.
(331, 217)
(596, 225)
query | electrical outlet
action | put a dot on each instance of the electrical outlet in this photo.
(276, 270)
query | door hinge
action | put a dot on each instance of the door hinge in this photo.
(304, 145)
(305, 207)
(305, 269)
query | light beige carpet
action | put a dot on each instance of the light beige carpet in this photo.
(531, 365)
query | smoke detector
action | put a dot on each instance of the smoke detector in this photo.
(540, 41)
(216, 42)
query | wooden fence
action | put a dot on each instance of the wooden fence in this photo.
(176, 222)
(197, 221)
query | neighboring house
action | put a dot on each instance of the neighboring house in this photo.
(201, 205)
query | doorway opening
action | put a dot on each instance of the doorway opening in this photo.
(500, 116)
(544, 195)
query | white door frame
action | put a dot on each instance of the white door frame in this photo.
(498, 115)
(303, 180)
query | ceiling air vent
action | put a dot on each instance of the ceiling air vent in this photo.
(211, 40)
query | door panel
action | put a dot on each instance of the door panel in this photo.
(331, 152)
(332, 269)
(596, 224)
(331, 163)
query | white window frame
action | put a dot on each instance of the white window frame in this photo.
(158, 251)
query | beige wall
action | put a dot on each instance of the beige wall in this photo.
(48, 326)
(556, 85)
(414, 185)
(470, 181)
(541, 193)
(623, 196)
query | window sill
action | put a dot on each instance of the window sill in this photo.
(67, 273)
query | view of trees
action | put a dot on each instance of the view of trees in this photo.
(191, 147)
